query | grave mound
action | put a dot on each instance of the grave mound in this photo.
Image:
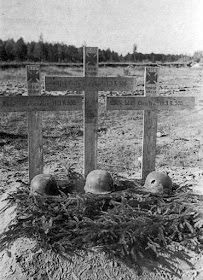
(127, 234)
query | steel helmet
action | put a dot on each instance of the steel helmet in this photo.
(44, 184)
(99, 182)
(158, 182)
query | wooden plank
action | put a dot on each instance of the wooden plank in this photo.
(149, 103)
(41, 103)
(89, 83)
(90, 60)
(149, 124)
(35, 137)
(149, 143)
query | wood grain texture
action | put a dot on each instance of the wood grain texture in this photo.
(149, 131)
(35, 136)
(35, 144)
(90, 112)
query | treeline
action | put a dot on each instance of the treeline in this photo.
(21, 51)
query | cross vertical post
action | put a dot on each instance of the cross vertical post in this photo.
(150, 123)
(90, 64)
(35, 137)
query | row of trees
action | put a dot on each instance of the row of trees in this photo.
(19, 50)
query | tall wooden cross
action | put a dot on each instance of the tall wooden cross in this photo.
(90, 84)
(150, 103)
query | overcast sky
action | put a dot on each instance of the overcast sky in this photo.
(159, 26)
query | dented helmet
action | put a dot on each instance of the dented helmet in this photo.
(98, 182)
(158, 182)
(43, 184)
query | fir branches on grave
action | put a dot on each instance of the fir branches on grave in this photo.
(122, 224)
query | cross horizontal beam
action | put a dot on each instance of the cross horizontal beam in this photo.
(89, 83)
(41, 103)
(149, 103)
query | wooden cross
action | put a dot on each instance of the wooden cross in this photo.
(150, 103)
(34, 104)
(90, 84)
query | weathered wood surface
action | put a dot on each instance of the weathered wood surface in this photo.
(35, 144)
(89, 83)
(150, 123)
(35, 136)
(150, 103)
(149, 142)
(90, 60)
(40, 103)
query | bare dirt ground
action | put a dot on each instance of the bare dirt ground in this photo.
(179, 145)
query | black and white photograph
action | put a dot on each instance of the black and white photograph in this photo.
(101, 140)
